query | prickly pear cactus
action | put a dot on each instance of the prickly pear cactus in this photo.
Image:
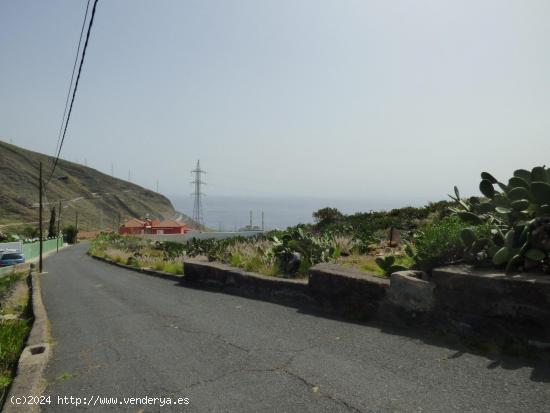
(519, 213)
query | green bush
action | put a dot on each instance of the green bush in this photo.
(440, 243)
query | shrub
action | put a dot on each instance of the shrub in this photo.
(439, 243)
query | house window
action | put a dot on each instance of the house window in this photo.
(160, 231)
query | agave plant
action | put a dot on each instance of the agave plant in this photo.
(519, 213)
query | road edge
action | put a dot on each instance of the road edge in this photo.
(34, 358)
(154, 273)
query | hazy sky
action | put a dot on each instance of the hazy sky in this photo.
(366, 99)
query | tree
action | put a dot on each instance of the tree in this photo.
(69, 234)
(327, 216)
(51, 228)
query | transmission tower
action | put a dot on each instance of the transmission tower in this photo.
(198, 215)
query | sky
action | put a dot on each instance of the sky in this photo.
(388, 100)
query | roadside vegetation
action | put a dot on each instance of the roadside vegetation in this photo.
(354, 241)
(160, 256)
(507, 228)
(14, 326)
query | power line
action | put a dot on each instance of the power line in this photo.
(72, 76)
(75, 88)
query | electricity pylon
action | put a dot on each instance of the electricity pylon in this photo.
(198, 215)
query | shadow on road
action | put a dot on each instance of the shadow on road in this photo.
(496, 357)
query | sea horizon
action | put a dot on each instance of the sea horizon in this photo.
(232, 212)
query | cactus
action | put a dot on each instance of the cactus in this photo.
(387, 264)
(520, 215)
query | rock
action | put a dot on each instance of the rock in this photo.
(292, 263)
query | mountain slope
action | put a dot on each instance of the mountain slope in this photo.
(100, 199)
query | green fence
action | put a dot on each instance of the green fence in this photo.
(32, 249)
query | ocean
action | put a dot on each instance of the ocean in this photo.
(227, 213)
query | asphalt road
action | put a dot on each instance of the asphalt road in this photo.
(119, 333)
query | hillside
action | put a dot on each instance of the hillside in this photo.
(102, 198)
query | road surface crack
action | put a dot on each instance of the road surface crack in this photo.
(322, 394)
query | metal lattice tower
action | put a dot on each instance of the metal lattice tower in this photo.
(198, 215)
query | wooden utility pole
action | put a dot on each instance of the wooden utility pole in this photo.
(40, 229)
(58, 225)
(76, 228)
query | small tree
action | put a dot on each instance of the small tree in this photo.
(51, 227)
(69, 234)
(327, 216)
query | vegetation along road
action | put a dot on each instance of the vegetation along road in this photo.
(119, 333)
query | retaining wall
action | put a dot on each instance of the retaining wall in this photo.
(222, 276)
(515, 307)
(352, 293)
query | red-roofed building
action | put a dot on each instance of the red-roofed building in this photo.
(147, 226)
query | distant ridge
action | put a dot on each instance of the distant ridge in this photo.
(102, 197)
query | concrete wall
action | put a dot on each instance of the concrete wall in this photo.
(5, 271)
(183, 238)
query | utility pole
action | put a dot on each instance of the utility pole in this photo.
(197, 205)
(250, 220)
(262, 220)
(112, 170)
(157, 186)
(40, 229)
(76, 228)
(58, 225)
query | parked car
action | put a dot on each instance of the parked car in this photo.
(11, 258)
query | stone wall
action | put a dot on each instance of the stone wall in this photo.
(514, 307)
(235, 280)
(352, 293)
